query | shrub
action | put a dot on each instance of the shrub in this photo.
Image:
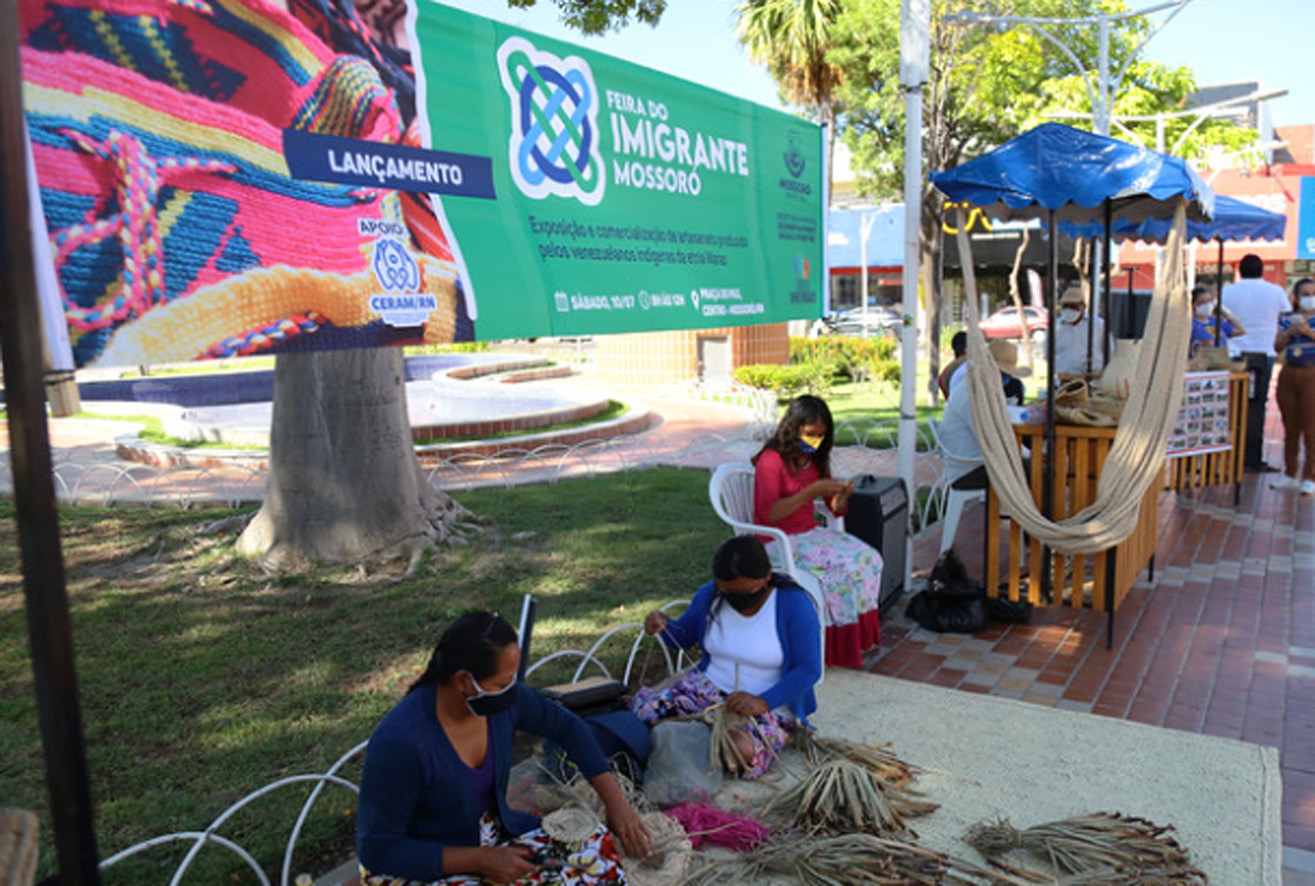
(783, 380)
(853, 359)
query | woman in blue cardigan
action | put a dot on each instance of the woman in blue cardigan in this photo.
(761, 652)
(433, 803)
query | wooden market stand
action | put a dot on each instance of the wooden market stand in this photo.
(1102, 580)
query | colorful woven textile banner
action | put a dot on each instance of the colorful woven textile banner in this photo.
(226, 177)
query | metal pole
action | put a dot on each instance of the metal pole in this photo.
(865, 223)
(1048, 465)
(1219, 295)
(49, 631)
(1103, 113)
(1107, 293)
(915, 37)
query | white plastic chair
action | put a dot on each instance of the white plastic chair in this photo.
(952, 501)
(731, 492)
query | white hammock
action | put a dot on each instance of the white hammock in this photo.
(1136, 459)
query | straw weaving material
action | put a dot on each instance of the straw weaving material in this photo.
(570, 824)
(18, 847)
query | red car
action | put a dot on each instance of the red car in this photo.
(1005, 323)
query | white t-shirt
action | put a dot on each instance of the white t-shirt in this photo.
(1256, 304)
(744, 652)
(958, 432)
(1071, 346)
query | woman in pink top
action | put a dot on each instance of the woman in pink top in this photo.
(791, 471)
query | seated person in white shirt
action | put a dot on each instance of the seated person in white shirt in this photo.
(959, 433)
(1071, 331)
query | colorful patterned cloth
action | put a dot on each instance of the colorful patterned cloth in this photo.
(694, 693)
(595, 861)
(850, 573)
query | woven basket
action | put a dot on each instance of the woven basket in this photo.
(570, 825)
(1072, 394)
(672, 853)
(1107, 406)
(1086, 417)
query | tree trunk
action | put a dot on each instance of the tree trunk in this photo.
(930, 249)
(344, 483)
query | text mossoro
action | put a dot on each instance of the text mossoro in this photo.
(676, 156)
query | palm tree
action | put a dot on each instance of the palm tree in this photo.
(791, 37)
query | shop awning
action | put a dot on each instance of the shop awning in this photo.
(1233, 220)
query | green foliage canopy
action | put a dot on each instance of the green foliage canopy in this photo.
(600, 16)
(989, 83)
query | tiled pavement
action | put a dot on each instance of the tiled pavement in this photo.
(1219, 641)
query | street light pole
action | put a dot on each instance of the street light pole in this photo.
(915, 67)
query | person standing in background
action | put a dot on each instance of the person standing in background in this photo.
(1256, 304)
(1295, 340)
(1205, 332)
(1073, 333)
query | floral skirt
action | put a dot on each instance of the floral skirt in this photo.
(694, 693)
(849, 571)
(594, 860)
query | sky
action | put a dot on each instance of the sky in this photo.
(1223, 41)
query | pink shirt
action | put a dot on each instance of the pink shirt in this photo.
(773, 481)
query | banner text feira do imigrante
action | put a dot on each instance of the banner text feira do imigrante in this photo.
(229, 177)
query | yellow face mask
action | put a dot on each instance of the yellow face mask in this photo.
(810, 444)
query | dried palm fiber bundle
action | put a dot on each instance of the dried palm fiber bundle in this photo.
(1101, 844)
(846, 860)
(723, 751)
(876, 758)
(164, 183)
(670, 857)
(839, 796)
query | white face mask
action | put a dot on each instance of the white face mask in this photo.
(1068, 315)
(1306, 303)
(1205, 309)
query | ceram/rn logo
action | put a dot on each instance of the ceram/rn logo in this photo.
(554, 144)
(795, 164)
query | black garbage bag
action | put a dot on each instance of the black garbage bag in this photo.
(954, 603)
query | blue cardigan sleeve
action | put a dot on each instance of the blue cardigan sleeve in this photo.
(687, 631)
(545, 718)
(801, 632)
(391, 783)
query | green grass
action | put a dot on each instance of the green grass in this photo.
(201, 678)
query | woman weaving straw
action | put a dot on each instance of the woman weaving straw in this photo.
(762, 655)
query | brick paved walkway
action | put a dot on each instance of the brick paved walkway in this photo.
(1220, 641)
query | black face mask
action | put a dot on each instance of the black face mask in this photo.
(745, 602)
(486, 704)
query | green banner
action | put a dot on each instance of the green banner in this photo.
(625, 200)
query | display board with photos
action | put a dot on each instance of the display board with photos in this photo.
(1203, 424)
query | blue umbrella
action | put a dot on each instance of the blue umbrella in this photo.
(1072, 173)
